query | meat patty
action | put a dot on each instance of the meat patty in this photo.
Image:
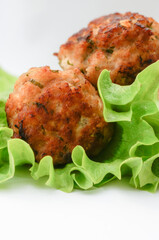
(56, 110)
(122, 43)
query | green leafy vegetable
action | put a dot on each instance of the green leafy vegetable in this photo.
(6, 84)
(133, 150)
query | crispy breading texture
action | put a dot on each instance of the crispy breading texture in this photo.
(56, 110)
(124, 44)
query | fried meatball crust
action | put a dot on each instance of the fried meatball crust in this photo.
(124, 44)
(56, 110)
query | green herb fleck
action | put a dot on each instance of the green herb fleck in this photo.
(40, 105)
(68, 62)
(36, 83)
(60, 138)
(52, 111)
(149, 25)
(110, 50)
(21, 131)
(90, 42)
(97, 68)
(43, 129)
(91, 45)
(55, 71)
(82, 71)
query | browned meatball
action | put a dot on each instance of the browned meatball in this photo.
(122, 43)
(56, 110)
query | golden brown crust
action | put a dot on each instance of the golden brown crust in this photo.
(122, 43)
(54, 111)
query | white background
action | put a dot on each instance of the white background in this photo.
(30, 31)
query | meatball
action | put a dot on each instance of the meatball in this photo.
(56, 110)
(124, 44)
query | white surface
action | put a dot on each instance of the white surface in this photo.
(31, 31)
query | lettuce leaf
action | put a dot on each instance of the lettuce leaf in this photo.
(132, 152)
